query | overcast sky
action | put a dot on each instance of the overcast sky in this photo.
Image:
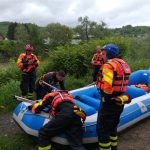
(115, 13)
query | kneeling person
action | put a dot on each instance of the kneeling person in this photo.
(65, 119)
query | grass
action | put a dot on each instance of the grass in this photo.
(7, 91)
(17, 142)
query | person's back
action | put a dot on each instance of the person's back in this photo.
(52, 78)
(64, 120)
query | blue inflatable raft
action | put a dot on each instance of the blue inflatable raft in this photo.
(89, 101)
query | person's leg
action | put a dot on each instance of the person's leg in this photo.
(113, 135)
(32, 84)
(74, 135)
(24, 86)
(103, 130)
(55, 127)
(40, 92)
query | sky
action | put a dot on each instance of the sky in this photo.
(115, 13)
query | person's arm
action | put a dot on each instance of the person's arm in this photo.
(62, 85)
(48, 78)
(20, 63)
(108, 75)
(37, 107)
(36, 62)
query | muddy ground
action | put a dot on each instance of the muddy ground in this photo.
(135, 138)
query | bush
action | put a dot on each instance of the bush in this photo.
(75, 60)
(9, 72)
(7, 91)
(8, 48)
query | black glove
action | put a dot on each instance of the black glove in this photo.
(25, 64)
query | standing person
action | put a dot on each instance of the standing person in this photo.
(112, 83)
(52, 78)
(28, 63)
(97, 61)
(66, 118)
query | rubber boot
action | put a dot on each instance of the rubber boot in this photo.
(30, 96)
(114, 143)
(104, 146)
(49, 147)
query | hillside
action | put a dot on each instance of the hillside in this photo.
(130, 31)
(125, 31)
(4, 27)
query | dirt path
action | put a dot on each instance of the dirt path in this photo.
(135, 138)
(7, 125)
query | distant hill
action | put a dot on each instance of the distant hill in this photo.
(130, 31)
(126, 31)
(4, 27)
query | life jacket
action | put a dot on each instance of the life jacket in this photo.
(58, 98)
(142, 86)
(97, 59)
(121, 75)
(23, 58)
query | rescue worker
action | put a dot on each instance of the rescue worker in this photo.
(112, 83)
(52, 78)
(66, 118)
(97, 61)
(28, 63)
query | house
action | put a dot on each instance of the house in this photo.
(2, 37)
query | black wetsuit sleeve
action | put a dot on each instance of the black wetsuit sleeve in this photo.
(62, 85)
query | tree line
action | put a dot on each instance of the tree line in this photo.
(48, 38)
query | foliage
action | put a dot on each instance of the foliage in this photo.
(7, 91)
(8, 49)
(130, 31)
(90, 29)
(11, 31)
(4, 28)
(75, 60)
(21, 33)
(11, 72)
(59, 34)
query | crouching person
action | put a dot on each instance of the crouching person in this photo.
(66, 119)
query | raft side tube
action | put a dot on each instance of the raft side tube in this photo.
(88, 109)
(90, 101)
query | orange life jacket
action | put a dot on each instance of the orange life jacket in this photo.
(121, 75)
(142, 86)
(97, 59)
(26, 58)
(58, 98)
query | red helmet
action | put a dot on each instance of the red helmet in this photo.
(28, 47)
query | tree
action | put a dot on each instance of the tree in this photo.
(59, 34)
(85, 25)
(11, 31)
(21, 34)
(90, 29)
(36, 37)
